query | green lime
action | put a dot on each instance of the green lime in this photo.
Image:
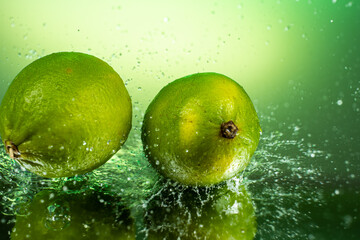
(84, 215)
(216, 213)
(201, 129)
(65, 114)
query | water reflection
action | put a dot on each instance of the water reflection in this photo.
(74, 215)
(178, 212)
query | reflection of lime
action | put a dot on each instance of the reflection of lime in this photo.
(216, 213)
(62, 216)
(65, 114)
(201, 129)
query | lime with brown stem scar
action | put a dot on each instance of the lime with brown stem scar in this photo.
(65, 114)
(201, 129)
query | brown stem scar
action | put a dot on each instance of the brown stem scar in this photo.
(11, 153)
(12, 149)
(229, 129)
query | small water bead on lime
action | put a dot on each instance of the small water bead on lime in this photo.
(65, 114)
(201, 129)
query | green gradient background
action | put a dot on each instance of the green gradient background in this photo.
(299, 60)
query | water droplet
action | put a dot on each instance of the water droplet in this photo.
(337, 192)
(58, 217)
(339, 102)
(12, 23)
(50, 147)
(349, 4)
(166, 19)
(139, 88)
(84, 143)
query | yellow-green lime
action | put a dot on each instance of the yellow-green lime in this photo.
(65, 114)
(200, 129)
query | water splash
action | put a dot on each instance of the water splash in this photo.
(282, 179)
